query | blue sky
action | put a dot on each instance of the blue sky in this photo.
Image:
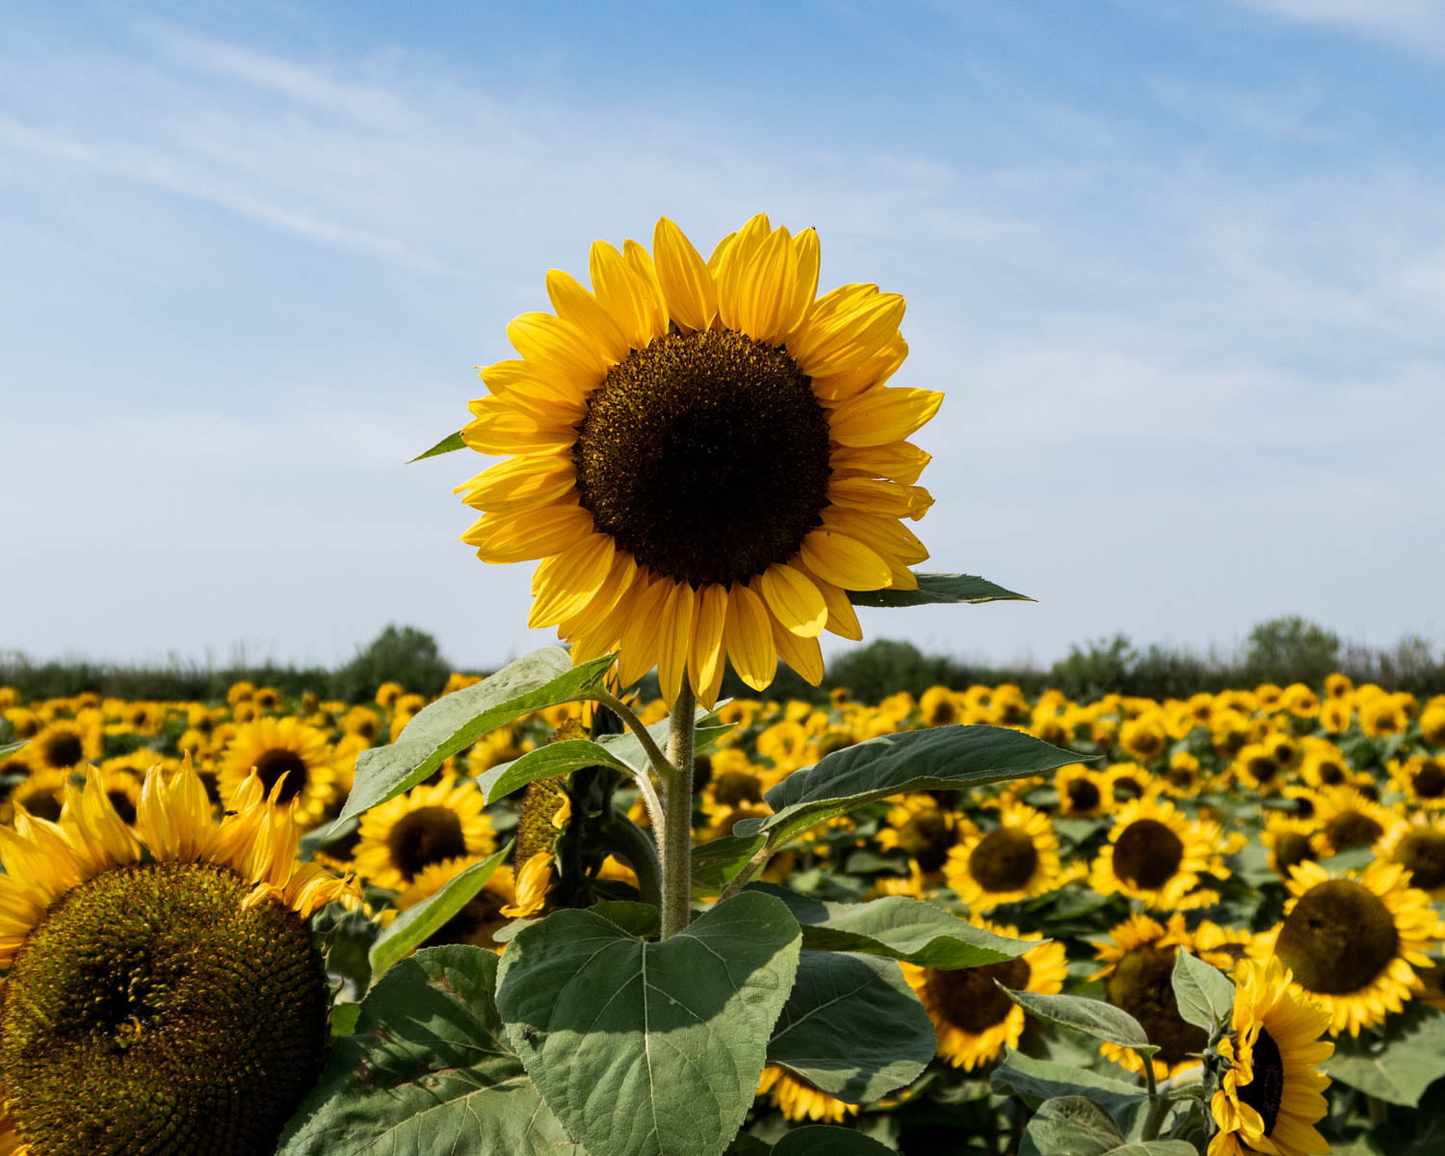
(1179, 266)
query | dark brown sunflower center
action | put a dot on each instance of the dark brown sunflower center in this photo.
(1338, 938)
(1330, 772)
(1147, 854)
(927, 837)
(425, 836)
(1262, 768)
(43, 804)
(1423, 853)
(149, 1013)
(1128, 787)
(1429, 781)
(1004, 861)
(120, 800)
(944, 712)
(1083, 794)
(705, 421)
(64, 750)
(1148, 743)
(1291, 847)
(1142, 984)
(1352, 829)
(272, 764)
(1265, 1092)
(969, 999)
(736, 787)
(1181, 777)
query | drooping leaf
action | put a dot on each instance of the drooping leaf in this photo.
(895, 927)
(852, 1027)
(936, 588)
(1035, 1081)
(414, 926)
(1093, 1017)
(448, 444)
(650, 1049)
(1397, 1065)
(938, 759)
(1203, 992)
(546, 762)
(543, 678)
(429, 1070)
(822, 1140)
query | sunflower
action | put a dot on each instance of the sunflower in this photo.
(1138, 972)
(1270, 1096)
(1291, 839)
(481, 918)
(1083, 792)
(678, 386)
(1419, 846)
(429, 824)
(1353, 944)
(137, 959)
(1156, 855)
(274, 748)
(1017, 860)
(1348, 819)
(1257, 768)
(1144, 737)
(64, 745)
(973, 1020)
(917, 825)
(940, 707)
(1432, 723)
(1421, 779)
(42, 794)
(799, 1100)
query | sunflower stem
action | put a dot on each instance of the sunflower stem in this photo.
(629, 718)
(749, 869)
(676, 834)
(1157, 1103)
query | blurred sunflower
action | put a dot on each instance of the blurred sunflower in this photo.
(64, 745)
(1432, 723)
(42, 794)
(480, 919)
(1324, 764)
(973, 1020)
(1144, 737)
(1156, 855)
(676, 386)
(1421, 779)
(1348, 819)
(1270, 1096)
(799, 1100)
(137, 959)
(917, 825)
(1138, 973)
(1256, 768)
(1083, 792)
(1017, 860)
(1291, 839)
(1418, 845)
(432, 823)
(1352, 945)
(274, 748)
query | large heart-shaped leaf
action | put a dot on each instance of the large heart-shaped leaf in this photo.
(935, 588)
(852, 1027)
(896, 927)
(650, 1049)
(1398, 1065)
(543, 678)
(925, 760)
(429, 1070)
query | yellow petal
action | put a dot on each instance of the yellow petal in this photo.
(641, 634)
(689, 287)
(574, 303)
(843, 561)
(528, 534)
(880, 416)
(842, 618)
(620, 295)
(842, 332)
(748, 637)
(558, 347)
(705, 655)
(769, 278)
(522, 483)
(654, 301)
(880, 496)
(874, 370)
(793, 601)
(676, 624)
(804, 285)
(900, 461)
(803, 655)
(733, 262)
(566, 582)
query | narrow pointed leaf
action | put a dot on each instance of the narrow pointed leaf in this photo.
(941, 758)
(936, 588)
(895, 927)
(429, 1070)
(445, 446)
(1093, 1017)
(649, 1049)
(852, 1027)
(543, 678)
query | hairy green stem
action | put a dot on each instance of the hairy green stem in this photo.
(749, 869)
(675, 838)
(1158, 1104)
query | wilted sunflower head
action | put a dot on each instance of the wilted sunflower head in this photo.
(162, 995)
(707, 458)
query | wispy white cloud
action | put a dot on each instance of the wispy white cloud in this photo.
(1415, 24)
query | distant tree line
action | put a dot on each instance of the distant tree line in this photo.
(1281, 650)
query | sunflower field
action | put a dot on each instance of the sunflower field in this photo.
(1269, 824)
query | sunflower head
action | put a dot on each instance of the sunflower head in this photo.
(677, 386)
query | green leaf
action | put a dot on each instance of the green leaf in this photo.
(935, 588)
(1204, 994)
(543, 678)
(715, 862)
(744, 1144)
(1070, 1126)
(343, 1018)
(1396, 1065)
(852, 1027)
(638, 919)
(650, 1049)
(429, 1070)
(1034, 1081)
(822, 1140)
(546, 762)
(8, 749)
(445, 446)
(1154, 1148)
(895, 927)
(942, 758)
(626, 746)
(1093, 1017)
(416, 925)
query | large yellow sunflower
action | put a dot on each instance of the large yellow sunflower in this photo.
(972, 1019)
(1353, 944)
(1270, 1095)
(281, 751)
(162, 993)
(1156, 855)
(429, 824)
(706, 457)
(1017, 860)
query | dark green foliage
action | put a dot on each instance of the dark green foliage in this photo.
(1292, 649)
(398, 654)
